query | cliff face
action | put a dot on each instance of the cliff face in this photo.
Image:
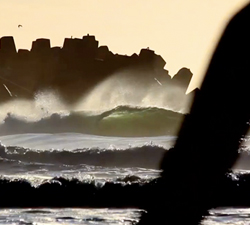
(74, 69)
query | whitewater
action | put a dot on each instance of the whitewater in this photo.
(99, 157)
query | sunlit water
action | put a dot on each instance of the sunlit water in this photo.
(69, 216)
(229, 216)
(37, 172)
(220, 216)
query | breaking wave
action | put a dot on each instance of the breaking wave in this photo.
(131, 192)
(145, 156)
(123, 121)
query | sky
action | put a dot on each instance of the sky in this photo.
(183, 32)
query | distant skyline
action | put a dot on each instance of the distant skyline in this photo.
(184, 33)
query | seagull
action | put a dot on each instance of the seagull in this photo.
(19, 26)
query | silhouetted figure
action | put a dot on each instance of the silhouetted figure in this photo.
(208, 142)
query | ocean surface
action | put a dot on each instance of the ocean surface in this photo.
(102, 158)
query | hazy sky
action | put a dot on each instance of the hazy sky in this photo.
(184, 32)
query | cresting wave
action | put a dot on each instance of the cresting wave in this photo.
(131, 192)
(124, 121)
(146, 156)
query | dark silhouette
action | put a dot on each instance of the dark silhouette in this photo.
(207, 146)
(73, 70)
(128, 192)
(19, 26)
(183, 77)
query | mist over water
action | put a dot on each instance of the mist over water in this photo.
(134, 88)
(127, 103)
(44, 104)
(131, 88)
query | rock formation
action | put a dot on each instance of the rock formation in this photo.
(74, 69)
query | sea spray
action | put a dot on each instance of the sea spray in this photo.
(101, 111)
(44, 104)
(135, 88)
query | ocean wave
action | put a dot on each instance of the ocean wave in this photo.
(123, 121)
(61, 192)
(132, 192)
(147, 156)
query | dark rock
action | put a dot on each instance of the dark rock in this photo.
(183, 77)
(40, 46)
(7, 45)
(73, 70)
